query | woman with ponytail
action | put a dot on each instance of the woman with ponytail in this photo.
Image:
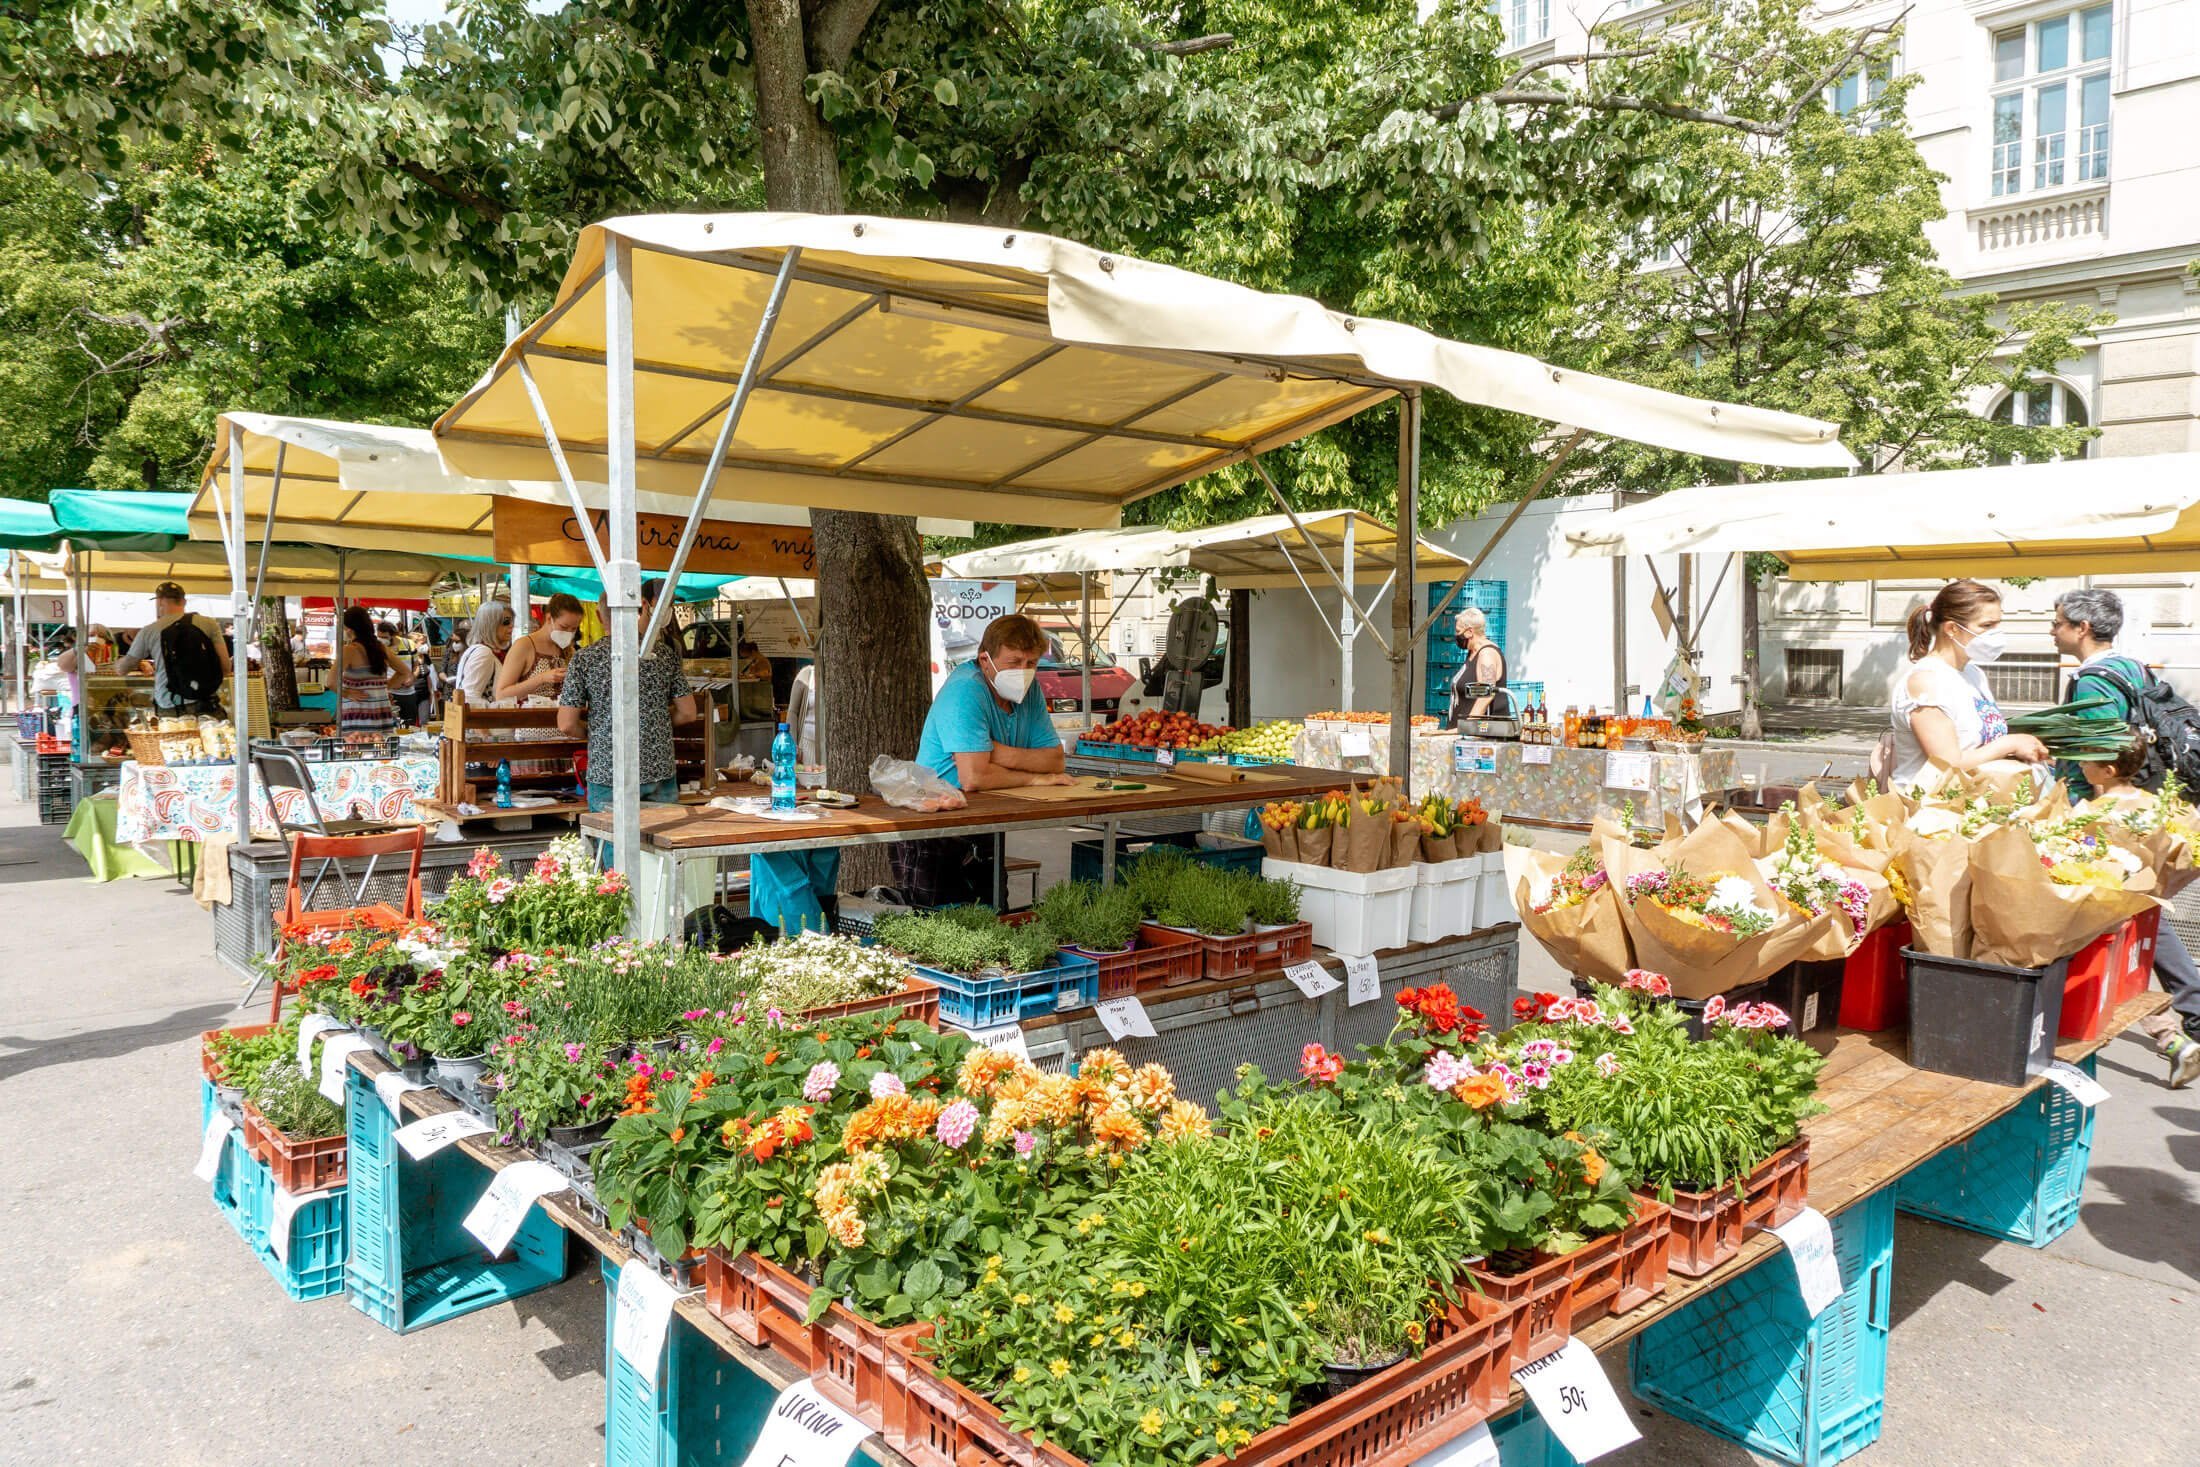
(1944, 713)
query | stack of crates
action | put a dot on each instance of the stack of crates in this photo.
(2022, 1178)
(1444, 656)
(55, 797)
(412, 1263)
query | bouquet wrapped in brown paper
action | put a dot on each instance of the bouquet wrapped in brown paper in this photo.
(1931, 874)
(1811, 884)
(1699, 911)
(1864, 822)
(1567, 904)
(2162, 828)
(2041, 894)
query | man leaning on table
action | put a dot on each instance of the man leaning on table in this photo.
(986, 731)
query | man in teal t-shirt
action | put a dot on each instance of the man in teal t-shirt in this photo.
(988, 730)
(2086, 626)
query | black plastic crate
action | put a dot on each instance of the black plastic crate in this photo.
(1810, 993)
(1981, 1020)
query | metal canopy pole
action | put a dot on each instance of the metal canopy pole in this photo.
(522, 616)
(1550, 471)
(750, 371)
(1084, 630)
(1349, 618)
(623, 573)
(16, 574)
(1331, 571)
(1401, 609)
(240, 627)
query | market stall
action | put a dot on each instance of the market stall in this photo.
(198, 802)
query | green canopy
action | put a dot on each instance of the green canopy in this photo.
(25, 524)
(121, 519)
(588, 586)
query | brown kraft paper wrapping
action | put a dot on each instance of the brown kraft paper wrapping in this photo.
(1588, 941)
(1489, 840)
(2022, 919)
(1282, 844)
(1936, 870)
(1314, 845)
(2168, 854)
(1758, 840)
(1700, 962)
(1405, 842)
(1437, 849)
(1364, 843)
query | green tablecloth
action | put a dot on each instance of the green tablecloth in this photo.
(92, 831)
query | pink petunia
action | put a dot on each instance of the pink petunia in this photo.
(1607, 1064)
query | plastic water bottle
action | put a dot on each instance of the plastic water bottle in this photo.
(504, 784)
(783, 756)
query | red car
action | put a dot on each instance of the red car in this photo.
(1061, 680)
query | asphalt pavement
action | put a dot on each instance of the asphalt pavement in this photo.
(137, 1329)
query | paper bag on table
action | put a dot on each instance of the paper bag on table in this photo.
(1314, 844)
(1364, 843)
(2021, 918)
(1932, 876)
(1586, 939)
(1699, 961)
(1405, 842)
(1489, 839)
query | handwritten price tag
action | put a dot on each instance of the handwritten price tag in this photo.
(1002, 1036)
(391, 1084)
(1312, 979)
(1628, 771)
(1363, 981)
(1576, 1402)
(806, 1430)
(2082, 1088)
(1535, 754)
(640, 1311)
(1476, 1448)
(219, 1128)
(495, 1219)
(430, 1134)
(1125, 1018)
(1165, 758)
(337, 1049)
(1809, 1240)
(310, 1028)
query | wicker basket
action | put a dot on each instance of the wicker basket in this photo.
(145, 748)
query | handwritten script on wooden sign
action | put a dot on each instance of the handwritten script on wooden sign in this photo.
(531, 533)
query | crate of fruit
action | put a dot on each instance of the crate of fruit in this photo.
(1144, 735)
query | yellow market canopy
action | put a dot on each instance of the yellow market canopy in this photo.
(2077, 517)
(1266, 552)
(369, 486)
(987, 374)
(292, 570)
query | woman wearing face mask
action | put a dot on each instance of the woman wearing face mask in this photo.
(486, 643)
(1944, 713)
(535, 667)
(1478, 687)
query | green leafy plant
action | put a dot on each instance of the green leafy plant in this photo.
(968, 940)
(292, 1102)
(1273, 903)
(547, 1080)
(1208, 900)
(1085, 914)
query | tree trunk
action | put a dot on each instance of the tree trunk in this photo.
(277, 669)
(1752, 722)
(874, 674)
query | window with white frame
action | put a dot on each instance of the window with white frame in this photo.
(2050, 101)
(1859, 89)
(1524, 21)
(2042, 405)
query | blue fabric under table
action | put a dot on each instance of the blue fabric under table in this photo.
(788, 888)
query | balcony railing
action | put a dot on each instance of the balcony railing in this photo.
(2017, 223)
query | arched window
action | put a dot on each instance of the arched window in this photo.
(2047, 404)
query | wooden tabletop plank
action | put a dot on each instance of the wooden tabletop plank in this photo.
(874, 819)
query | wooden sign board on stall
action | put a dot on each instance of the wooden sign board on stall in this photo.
(530, 533)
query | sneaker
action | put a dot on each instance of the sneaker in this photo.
(2184, 1060)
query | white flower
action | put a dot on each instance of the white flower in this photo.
(1734, 894)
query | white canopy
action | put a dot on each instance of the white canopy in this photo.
(2076, 517)
(371, 486)
(292, 570)
(1265, 552)
(991, 374)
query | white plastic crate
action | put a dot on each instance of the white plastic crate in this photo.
(1493, 903)
(1354, 913)
(1444, 896)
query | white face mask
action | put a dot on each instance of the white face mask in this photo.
(1985, 648)
(1012, 683)
(561, 636)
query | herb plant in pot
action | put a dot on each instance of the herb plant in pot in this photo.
(1095, 920)
(1272, 904)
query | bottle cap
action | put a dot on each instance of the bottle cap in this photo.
(782, 728)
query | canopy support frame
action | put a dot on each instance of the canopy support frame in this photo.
(1542, 480)
(1319, 554)
(240, 627)
(622, 573)
(565, 470)
(1401, 609)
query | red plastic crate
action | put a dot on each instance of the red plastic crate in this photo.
(1707, 1226)
(1623, 1270)
(760, 1302)
(1541, 1302)
(2089, 992)
(1389, 1420)
(2136, 968)
(919, 999)
(1161, 957)
(1875, 986)
(298, 1167)
(1258, 952)
(206, 1057)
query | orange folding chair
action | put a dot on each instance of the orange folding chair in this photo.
(293, 917)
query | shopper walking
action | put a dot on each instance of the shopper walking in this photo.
(184, 652)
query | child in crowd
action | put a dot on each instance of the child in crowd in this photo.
(2176, 1030)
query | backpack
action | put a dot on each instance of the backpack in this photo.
(189, 664)
(2170, 724)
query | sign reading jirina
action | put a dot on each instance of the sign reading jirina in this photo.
(529, 533)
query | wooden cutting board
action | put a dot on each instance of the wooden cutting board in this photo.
(1085, 787)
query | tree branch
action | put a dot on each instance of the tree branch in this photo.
(1193, 46)
(834, 28)
(435, 182)
(1580, 59)
(1612, 102)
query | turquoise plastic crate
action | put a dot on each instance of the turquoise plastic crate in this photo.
(228, 1187)
(1084, 855)
(1524, 1441)
(318, 1243)
(1746, 1362)
(411, 1263)
(702, 1409)
(1099, 749)
(2021, 1178)
(980, 1003)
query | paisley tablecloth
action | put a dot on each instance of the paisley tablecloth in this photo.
(191, 803)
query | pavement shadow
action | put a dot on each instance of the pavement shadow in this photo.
(100, 1044)
(1931, 1256)
(2152, 1217)
(30, 853)
(574, 1312)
